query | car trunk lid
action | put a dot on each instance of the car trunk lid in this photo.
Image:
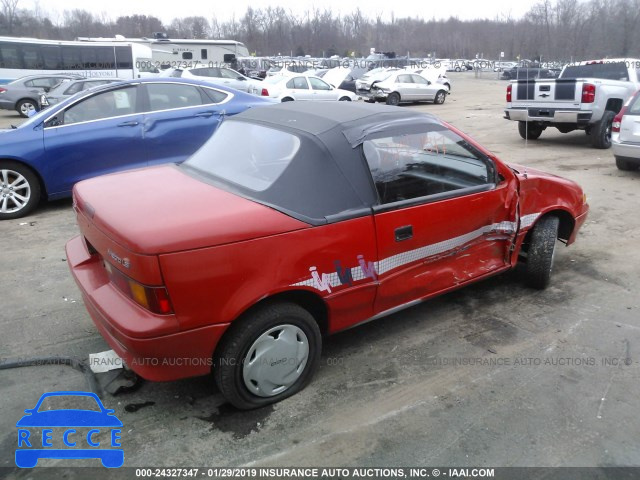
(160, 210)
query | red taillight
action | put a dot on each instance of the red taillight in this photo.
(2, 90)
(509, 88)
(588, 93)
(265, 92)
(617, 120)
(154, 299)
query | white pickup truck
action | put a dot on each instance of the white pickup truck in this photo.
(586, 96)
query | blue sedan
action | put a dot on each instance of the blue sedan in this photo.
(109, 128)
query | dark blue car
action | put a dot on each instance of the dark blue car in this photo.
(73, 433)
(109, 128)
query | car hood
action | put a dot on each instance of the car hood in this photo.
(162, 209)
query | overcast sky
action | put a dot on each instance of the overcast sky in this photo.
(167, 10)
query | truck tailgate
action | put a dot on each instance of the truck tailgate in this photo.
(546, 93)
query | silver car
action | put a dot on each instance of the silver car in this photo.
(23, 94)
(400, 87)
(64, 90)
(220, 76)
(625, 135)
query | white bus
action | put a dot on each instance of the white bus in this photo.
(30, 56)
(184, 53)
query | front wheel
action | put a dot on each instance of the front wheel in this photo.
(268, 355)
(541, 252)
(393, 99)
(529, 130)
(601, 131)
(344, 99)
(26, 107)
(440, 97)
(19, 190)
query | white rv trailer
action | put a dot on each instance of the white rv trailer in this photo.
(184, 53)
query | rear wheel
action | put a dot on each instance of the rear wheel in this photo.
(287, 99)
(19, 190)
(26, 107)
(541, 252)
(626, 165)
(267, 355)
(440, 97)
(529, 130)
(393, 99)
(601, 131)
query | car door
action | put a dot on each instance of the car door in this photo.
(234, 80)
(444, 216)
(101, 133)
(179, 118)
(425, 90)
(405, 86)
(299, 87)
(321, 90)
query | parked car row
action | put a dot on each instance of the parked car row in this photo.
(122, 125)
(23, 94)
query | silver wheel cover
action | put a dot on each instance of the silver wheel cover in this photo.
(15, 191)
(275, 360)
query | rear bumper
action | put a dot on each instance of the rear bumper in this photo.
(630, 152)
(152, 356)
(548, 115)
(7, 105)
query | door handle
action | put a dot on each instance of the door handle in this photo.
(204, 114)
(404, 233)
(129, 124)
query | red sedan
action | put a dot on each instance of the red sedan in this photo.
(299, 220)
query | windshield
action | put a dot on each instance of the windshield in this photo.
(253, 165)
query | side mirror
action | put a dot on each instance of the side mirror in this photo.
(242, 78)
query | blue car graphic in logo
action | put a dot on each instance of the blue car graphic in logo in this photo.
(69, 433)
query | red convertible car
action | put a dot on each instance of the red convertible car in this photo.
(298, 220)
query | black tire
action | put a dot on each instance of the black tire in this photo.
(626, 165)
(458, 69)
(530, 130)
(393, 99)
(345, 99)
(601, 131)
(540, 254)
(235, 348)
(287, 99)
(25, 105)
(440, 97)
(12, 206)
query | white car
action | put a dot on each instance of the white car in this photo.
(401, 86)
(220, 76)
(302, 87)
(625, 135)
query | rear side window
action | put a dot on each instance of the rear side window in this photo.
(164, 96)
(298, 83)
(419, 165)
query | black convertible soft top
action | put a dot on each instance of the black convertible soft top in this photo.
(328, 179)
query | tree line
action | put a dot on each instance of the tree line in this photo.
(563, 30)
